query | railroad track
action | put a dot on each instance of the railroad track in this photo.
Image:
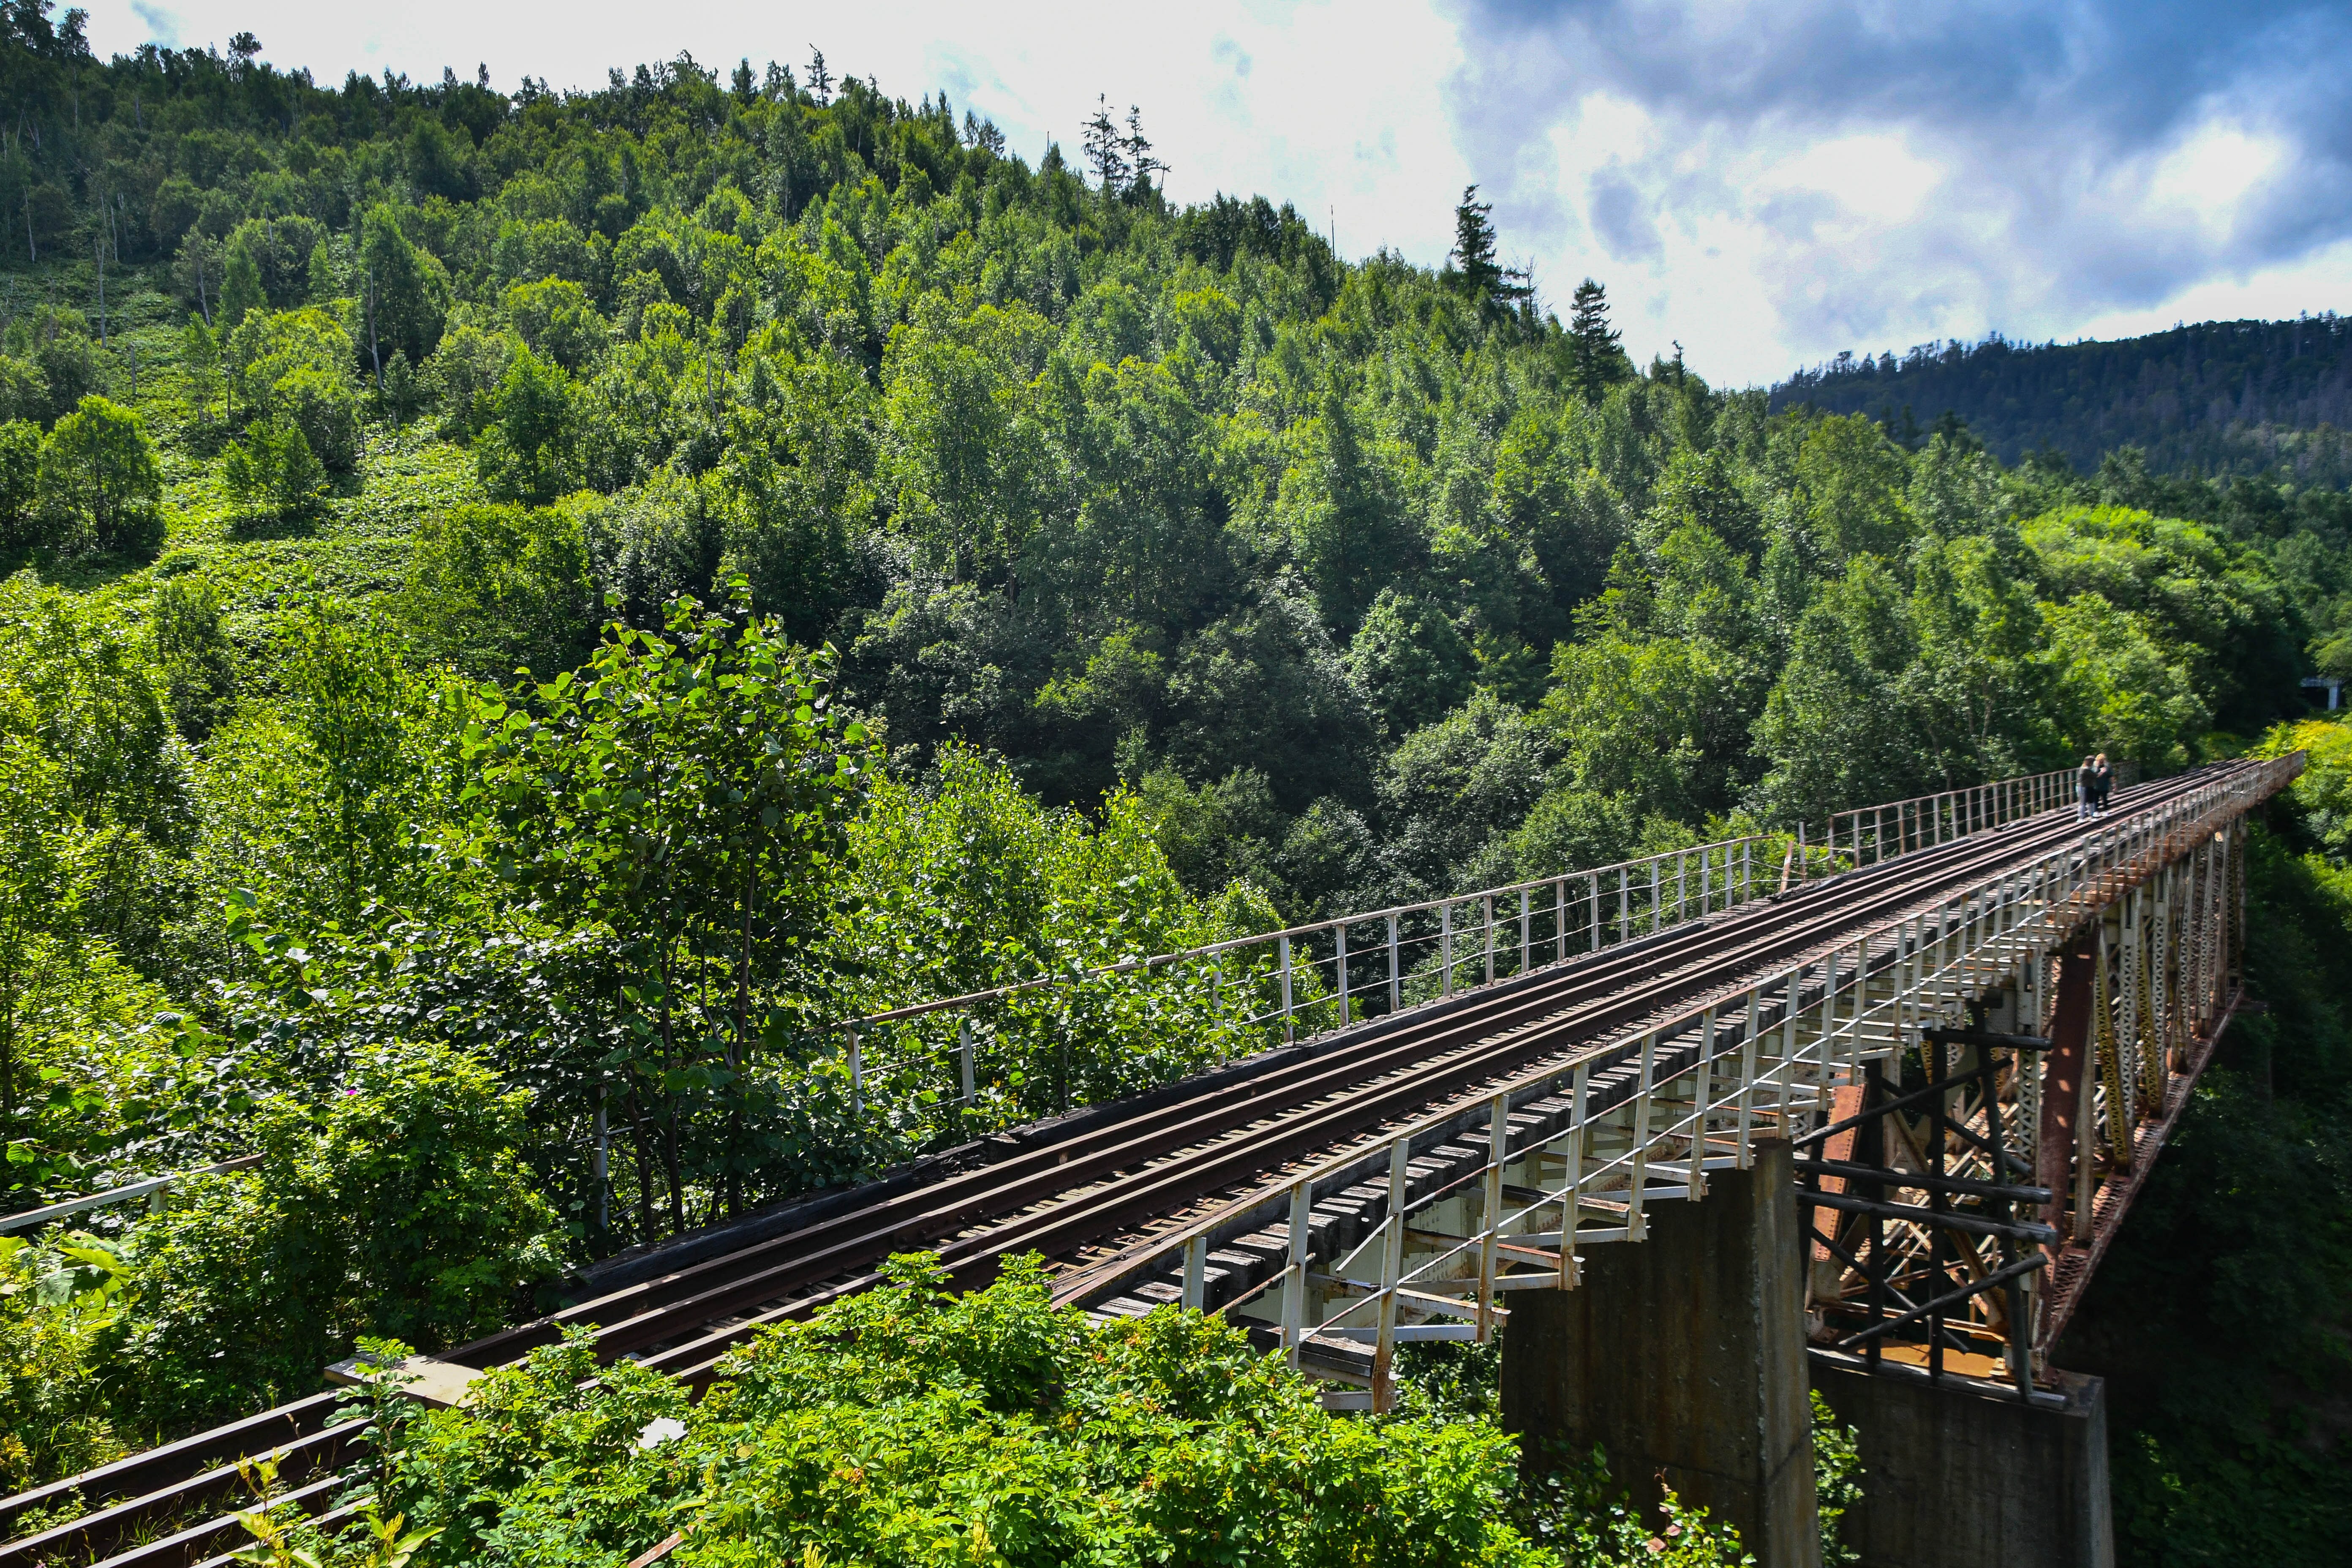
(1086, 1180)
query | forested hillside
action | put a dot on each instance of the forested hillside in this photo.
(2267, 400)
(528, 609)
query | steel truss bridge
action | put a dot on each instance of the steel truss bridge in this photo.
(1975, 1016)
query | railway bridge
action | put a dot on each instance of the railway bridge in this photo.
(1858, 1112)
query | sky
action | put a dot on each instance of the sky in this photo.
(1764, 185)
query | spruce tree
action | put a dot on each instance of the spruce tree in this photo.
(1497, 289)
(1595, 359)
(1142, 166)
(1106, 149)
(1474, 247)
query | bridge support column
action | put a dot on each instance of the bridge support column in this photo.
(1683, 1356)
(1962, 1474)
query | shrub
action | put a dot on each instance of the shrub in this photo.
(99, 480)
(394, 1206)
(56, 1304)
(20, 470)
(907, 1425)
(273, 470)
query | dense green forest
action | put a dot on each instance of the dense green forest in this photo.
(527, 609)
(2267, 401)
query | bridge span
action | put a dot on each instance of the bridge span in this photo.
(1861, 1114)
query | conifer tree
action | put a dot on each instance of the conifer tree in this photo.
(1140, 162)
(820, 79)
(1595, 359)
(1106, 149)
(1497, 289)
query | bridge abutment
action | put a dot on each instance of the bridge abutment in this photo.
(1958, 1474)
(1683, 1356)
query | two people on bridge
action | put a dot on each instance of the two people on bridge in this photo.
(2092, 782)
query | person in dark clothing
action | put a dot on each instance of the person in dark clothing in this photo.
(2103, 783)
(2086, 788)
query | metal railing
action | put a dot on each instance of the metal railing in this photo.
(1304, 980)
(153, 1188)
(1927, 820)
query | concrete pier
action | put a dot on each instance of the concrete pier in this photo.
(1683, 1356)
(1960, 1474)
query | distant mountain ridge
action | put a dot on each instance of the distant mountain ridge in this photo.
(2215, 398)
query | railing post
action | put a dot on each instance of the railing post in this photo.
(1445, 941)
(1526, 933)
(1396, 977)
(1653, 896)
(1634, 1222)
(1196, 1262)
(1750, 1050)
(1341, 932)
(1625, 905)
(1596, 912)
(969, 1094)
(1294, 1293)
(1572, 1202)
(1282, 946)
(1560, 920)
(1391, 1272)
(856, 1077)
(1702, 1097)
(1498, 1132)
(1487, 918)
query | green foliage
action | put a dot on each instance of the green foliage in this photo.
(241, 290)
(99, 480)
(57, 1304)
(2278, 380)
(1410, 655)
(294, 366)
(497, 588)
(909, 1426)
(24, 391)
(1837, 1480)
(273, 470)
(404, 291)
(191, 651)
(394, 1205)
(21, 522)
(526, 450)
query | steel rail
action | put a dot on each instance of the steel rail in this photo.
(178, 1475)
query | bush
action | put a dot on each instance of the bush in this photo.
(56, 1304)
(325, 407)
(273, 470)
(297, 365)
(906, 1425)
(99, 480)
(20, 470)
(395, 1206)
(24, 390)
